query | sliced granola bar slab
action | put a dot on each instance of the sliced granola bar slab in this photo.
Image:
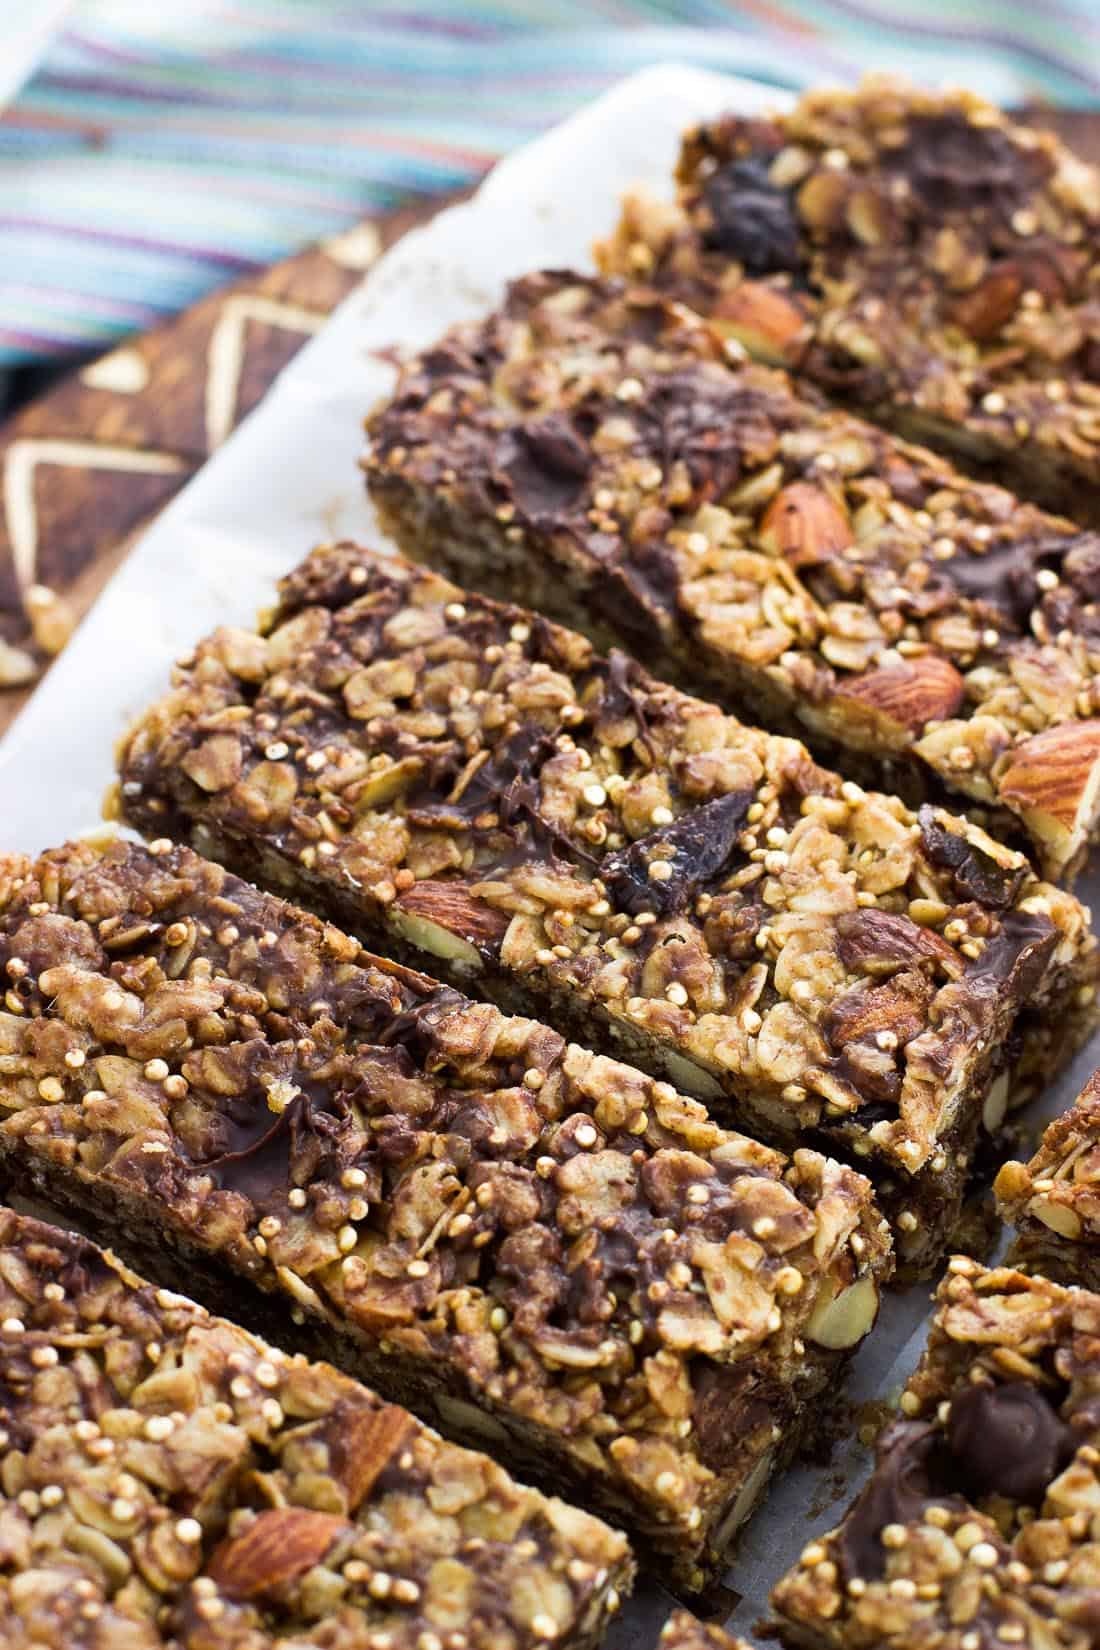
(169, 1480)
(462, 781)
(543, 1250)
(588, 451)
(978, 1525)
(919, 253)
(1053, 1200)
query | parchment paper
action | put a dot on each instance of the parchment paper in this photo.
(288, 477)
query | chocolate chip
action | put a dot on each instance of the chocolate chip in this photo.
(750, 219)
(696, 848)
(976, 874)
(508, 786)
(1007, 1440)
(705, 421)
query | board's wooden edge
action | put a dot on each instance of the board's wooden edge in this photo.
(84, 468)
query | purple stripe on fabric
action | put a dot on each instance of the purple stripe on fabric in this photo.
(141, 243)
(1003, 39)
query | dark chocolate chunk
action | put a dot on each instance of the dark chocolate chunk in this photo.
(1007, 1440)
(1004, 578)
(899, 1489)
(624, 695)
(954, 165)
(547, 466)
(977, 874)
(1015, 957)
(730, 1405)
(696, 847)
(751, 219)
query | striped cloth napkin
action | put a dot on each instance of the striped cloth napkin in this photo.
(163, 146)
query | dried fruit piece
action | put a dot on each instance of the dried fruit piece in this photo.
(982, 870)
(662, 872)
(750, 218)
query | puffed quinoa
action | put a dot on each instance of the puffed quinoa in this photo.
(977, 1527)
(522, 1264)
(268, 1519)
(753, 976)
(944, 277)
(842, 584)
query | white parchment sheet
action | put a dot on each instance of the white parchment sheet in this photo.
(288, 477)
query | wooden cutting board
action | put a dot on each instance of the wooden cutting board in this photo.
(89, 465)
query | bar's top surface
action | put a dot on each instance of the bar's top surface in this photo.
(479, 769)
(977, 1528)
(576, 1242)
(889, 602)
(683, 1631)
(900, 245)
(170, 1480)
(1059, 1186)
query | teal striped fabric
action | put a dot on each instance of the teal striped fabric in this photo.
(164, 146)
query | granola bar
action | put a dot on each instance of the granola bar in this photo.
(683, 1631)
(541, 1250)
(917, 253)
(977, 1528)
(463, 781)
(587, 451)
(169, 1480)
(1053, 1200)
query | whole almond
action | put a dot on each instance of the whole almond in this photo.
(764, 318)
(450, 903)
(280, 1545)
(911, 693)
(990, 305)
(805, 524)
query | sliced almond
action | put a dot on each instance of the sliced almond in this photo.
(996, 1103)
(1053, 782)
(904, 697)
(442, 917)
(842, 1320)
(1056, 1216)
(805, 524)
(279, 1545)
